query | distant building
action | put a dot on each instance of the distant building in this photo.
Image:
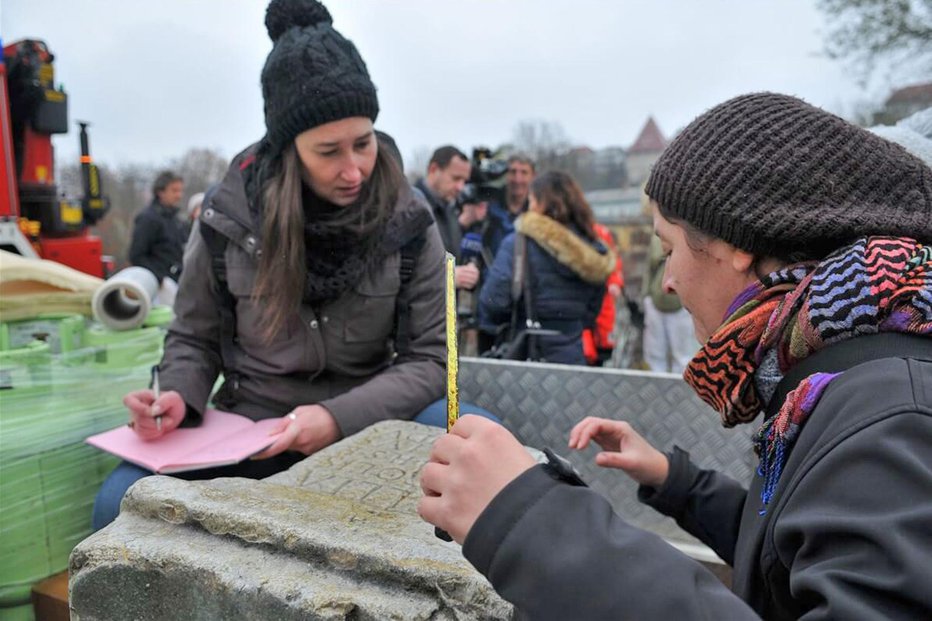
(610, 164)
(644, 152)
(905, 101)
(582, 158)
(617, 207)
(622, 210)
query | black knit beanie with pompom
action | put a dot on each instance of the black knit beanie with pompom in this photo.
(774, 176)
(312, 75)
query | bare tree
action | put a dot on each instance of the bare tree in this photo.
(864, 32)
(416, 166)
(547, 143)
(544, 141)
(130, 190)
(200, 169)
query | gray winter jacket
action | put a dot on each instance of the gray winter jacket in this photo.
(341, 357)
(847, 535)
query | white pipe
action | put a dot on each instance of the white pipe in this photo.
(124, 300)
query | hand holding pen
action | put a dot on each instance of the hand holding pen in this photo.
(154, 413)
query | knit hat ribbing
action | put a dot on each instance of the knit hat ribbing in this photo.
(312, 75)
(771, 175)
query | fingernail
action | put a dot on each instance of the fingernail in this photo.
(156, 410)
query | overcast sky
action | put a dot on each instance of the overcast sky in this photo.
(158, 77)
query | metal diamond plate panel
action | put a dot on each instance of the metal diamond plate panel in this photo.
(540, 403)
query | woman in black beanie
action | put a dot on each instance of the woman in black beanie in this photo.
(314, 278)
(800, 244)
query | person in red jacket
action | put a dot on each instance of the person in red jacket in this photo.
(598, 341)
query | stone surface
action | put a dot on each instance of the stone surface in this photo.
(335, 537)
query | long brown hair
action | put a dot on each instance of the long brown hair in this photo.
(282, 270)
(563, 200)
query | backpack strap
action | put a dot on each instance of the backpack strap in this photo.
(216, 243)
(850, 353)
(402, 329)
(518, 278)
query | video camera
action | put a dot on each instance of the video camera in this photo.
(483, 184)
(486, 171)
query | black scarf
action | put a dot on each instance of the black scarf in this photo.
(337, 256)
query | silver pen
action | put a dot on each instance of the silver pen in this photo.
(155, 390)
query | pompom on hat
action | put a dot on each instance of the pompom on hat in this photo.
(313, 75)
(773, 175)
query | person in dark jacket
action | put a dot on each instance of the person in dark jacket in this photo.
(503, 209)
(447, 174)
(159, 235)
(800, 244)
(310, 227)
(567, 267)
(513, 202)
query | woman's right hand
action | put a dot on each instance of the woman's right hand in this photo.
(144, 407)
(623, 448)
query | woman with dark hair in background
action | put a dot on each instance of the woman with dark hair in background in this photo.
(303, 257)
(567, 266)
(800, 244)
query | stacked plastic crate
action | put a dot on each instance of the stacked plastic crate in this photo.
(61, 380)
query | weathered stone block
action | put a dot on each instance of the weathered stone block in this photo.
(334, 537)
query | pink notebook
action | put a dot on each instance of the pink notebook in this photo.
(222, 439)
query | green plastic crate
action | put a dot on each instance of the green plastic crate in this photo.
(159, 316)
(116, 350)
(48, 476)
(63, 332)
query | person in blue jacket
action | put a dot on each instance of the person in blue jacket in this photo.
(802, 247)
(567, 266)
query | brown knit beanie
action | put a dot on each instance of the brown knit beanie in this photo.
(774, 176)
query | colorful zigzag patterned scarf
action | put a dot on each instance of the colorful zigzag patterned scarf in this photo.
(877, 284)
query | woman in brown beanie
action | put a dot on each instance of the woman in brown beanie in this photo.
(314, 278)
(800, 244)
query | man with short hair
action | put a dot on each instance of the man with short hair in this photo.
(159, 236)
(503, 212)
(447, 174)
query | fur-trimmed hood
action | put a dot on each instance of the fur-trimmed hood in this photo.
(568, 247)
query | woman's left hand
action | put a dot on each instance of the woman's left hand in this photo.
(306, 429)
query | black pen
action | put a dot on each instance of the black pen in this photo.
(155, 389)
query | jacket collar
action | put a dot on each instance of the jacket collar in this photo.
(432, 199)
(163, 210)
(594, 265)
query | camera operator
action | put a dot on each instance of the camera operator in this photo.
(447, 174)
(511, 203)
(504, 206)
